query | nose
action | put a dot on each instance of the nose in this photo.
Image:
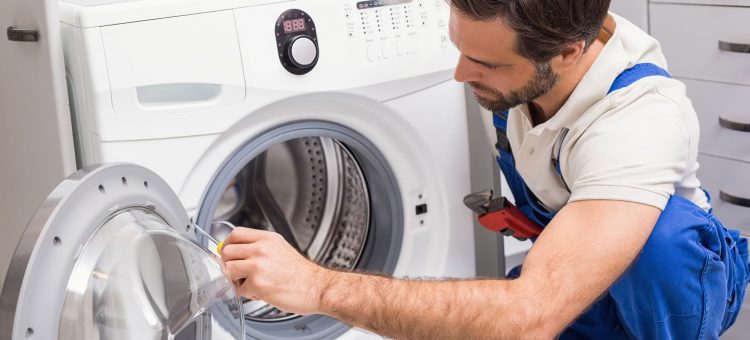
(466, 71)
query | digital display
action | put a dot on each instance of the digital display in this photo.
(293, 25)
(380, 3)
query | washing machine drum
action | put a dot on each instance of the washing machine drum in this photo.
(323, 186)
(111, 255)
(313, 192)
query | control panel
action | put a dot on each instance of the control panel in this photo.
(395, 28)
(335, 44)
(296, 41)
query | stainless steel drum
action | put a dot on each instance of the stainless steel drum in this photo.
(326, 188)
(312, 191)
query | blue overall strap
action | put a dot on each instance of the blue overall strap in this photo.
(524, 198)
(636, 73)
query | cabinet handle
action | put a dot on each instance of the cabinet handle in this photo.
(736, 200)
(736, 126)
(22, 35)
(734, 47)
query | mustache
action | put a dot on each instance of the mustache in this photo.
(480, 86)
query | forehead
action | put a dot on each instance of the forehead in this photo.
(481, 39)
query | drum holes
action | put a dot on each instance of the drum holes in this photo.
(145, 184)
(29, 332)
(56, 241)
(101, 189)
(124, 181)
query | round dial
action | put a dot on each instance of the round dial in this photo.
(302, 51)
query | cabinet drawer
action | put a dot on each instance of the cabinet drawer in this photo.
(690, 37)
(724, 114)
(728, 182)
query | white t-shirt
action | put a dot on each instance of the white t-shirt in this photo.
(637, 144)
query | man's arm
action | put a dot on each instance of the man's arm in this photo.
(587, 246)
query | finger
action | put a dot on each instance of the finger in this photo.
(241, 251)
(246, 235)
(239, 269)
(246, 289)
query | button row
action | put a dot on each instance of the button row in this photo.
(386, 50)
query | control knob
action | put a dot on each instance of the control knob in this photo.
(302, 51)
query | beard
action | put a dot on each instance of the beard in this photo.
(542, 82)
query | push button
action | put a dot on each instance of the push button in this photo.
(401, 47)
(387, 50)
(373, 52)
(413, 45)
(444, 40)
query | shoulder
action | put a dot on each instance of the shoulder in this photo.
(634, 146)
(658, 105)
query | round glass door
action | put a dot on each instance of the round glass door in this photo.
(111, 254)
(137, 278)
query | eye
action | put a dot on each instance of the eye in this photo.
(488, 66)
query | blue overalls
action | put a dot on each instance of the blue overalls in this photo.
(689, 280)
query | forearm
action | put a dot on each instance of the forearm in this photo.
(581, 253)
(437, 309)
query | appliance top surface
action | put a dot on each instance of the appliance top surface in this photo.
(88, 3)
(94, 13)
(228, 3)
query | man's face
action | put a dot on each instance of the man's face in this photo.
(499, 78)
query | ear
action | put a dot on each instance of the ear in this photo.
(569, 57)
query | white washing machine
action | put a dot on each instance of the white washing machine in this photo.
(336, 123)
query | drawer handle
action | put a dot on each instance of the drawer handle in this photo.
(734, 47)
(22, 35)
(736, 200)
(736, 126)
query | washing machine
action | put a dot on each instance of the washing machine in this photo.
(335, 123)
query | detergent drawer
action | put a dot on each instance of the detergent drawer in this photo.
(174, 65)
(724, 117)
(728, 182)
(704, 42)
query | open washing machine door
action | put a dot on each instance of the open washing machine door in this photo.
(111, 254)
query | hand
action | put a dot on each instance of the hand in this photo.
(264, 266)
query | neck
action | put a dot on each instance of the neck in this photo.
(546, 106)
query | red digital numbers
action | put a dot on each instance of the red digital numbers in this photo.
(294, 25)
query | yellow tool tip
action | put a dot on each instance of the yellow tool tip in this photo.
(219, 246)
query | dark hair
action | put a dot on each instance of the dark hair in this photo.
(544, 28)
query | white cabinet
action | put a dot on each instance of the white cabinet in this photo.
(730, 195)
(704, 42)
(636, 11)
(724, 118)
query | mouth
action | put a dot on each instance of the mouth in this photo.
(480, 92)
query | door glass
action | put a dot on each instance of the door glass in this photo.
(137, 278)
